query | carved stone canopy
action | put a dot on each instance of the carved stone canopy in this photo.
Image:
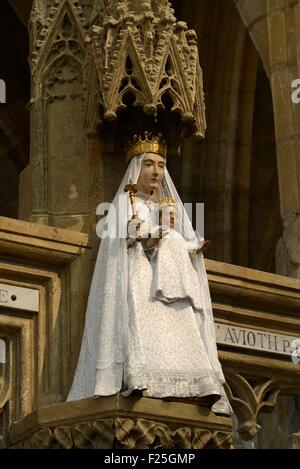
(138, 53)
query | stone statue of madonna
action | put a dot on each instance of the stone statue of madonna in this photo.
(149, 326)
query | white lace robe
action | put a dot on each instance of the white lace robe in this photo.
(166, 354)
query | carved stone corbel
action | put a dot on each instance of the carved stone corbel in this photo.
(146, 434)
(251, 396)
(125, 433)
(116, 422)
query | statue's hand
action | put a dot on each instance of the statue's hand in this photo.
(204, 246)
(154, 238)
(133, 228)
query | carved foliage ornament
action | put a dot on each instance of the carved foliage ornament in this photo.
(251, 397)
(139, 52)
(125, 433)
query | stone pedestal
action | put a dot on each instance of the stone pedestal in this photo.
(126, 423)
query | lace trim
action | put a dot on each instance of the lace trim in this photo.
(171, 383)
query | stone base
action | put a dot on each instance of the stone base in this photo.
(117, 422)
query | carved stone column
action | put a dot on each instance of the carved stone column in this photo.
(54, 188)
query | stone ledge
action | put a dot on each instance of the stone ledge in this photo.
(248, 287)
(120, 422)
(231, 272)
(40, 243)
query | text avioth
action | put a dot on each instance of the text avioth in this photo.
(265, 341)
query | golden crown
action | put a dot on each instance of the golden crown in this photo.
(166, 201)
(147, 143)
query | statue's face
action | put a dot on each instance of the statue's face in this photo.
(152, 173)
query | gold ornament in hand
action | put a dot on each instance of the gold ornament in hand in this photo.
(132, 189)
(167, 208)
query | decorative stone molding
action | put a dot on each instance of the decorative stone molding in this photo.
(266, 304)
(139, 49)
(37, 277)
(122, 423)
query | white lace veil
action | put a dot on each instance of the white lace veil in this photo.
(104, 344)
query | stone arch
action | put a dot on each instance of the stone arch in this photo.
(219, 170)
(254, 16)
(276, 30)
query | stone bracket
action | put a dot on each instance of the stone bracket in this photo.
(118, 422)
